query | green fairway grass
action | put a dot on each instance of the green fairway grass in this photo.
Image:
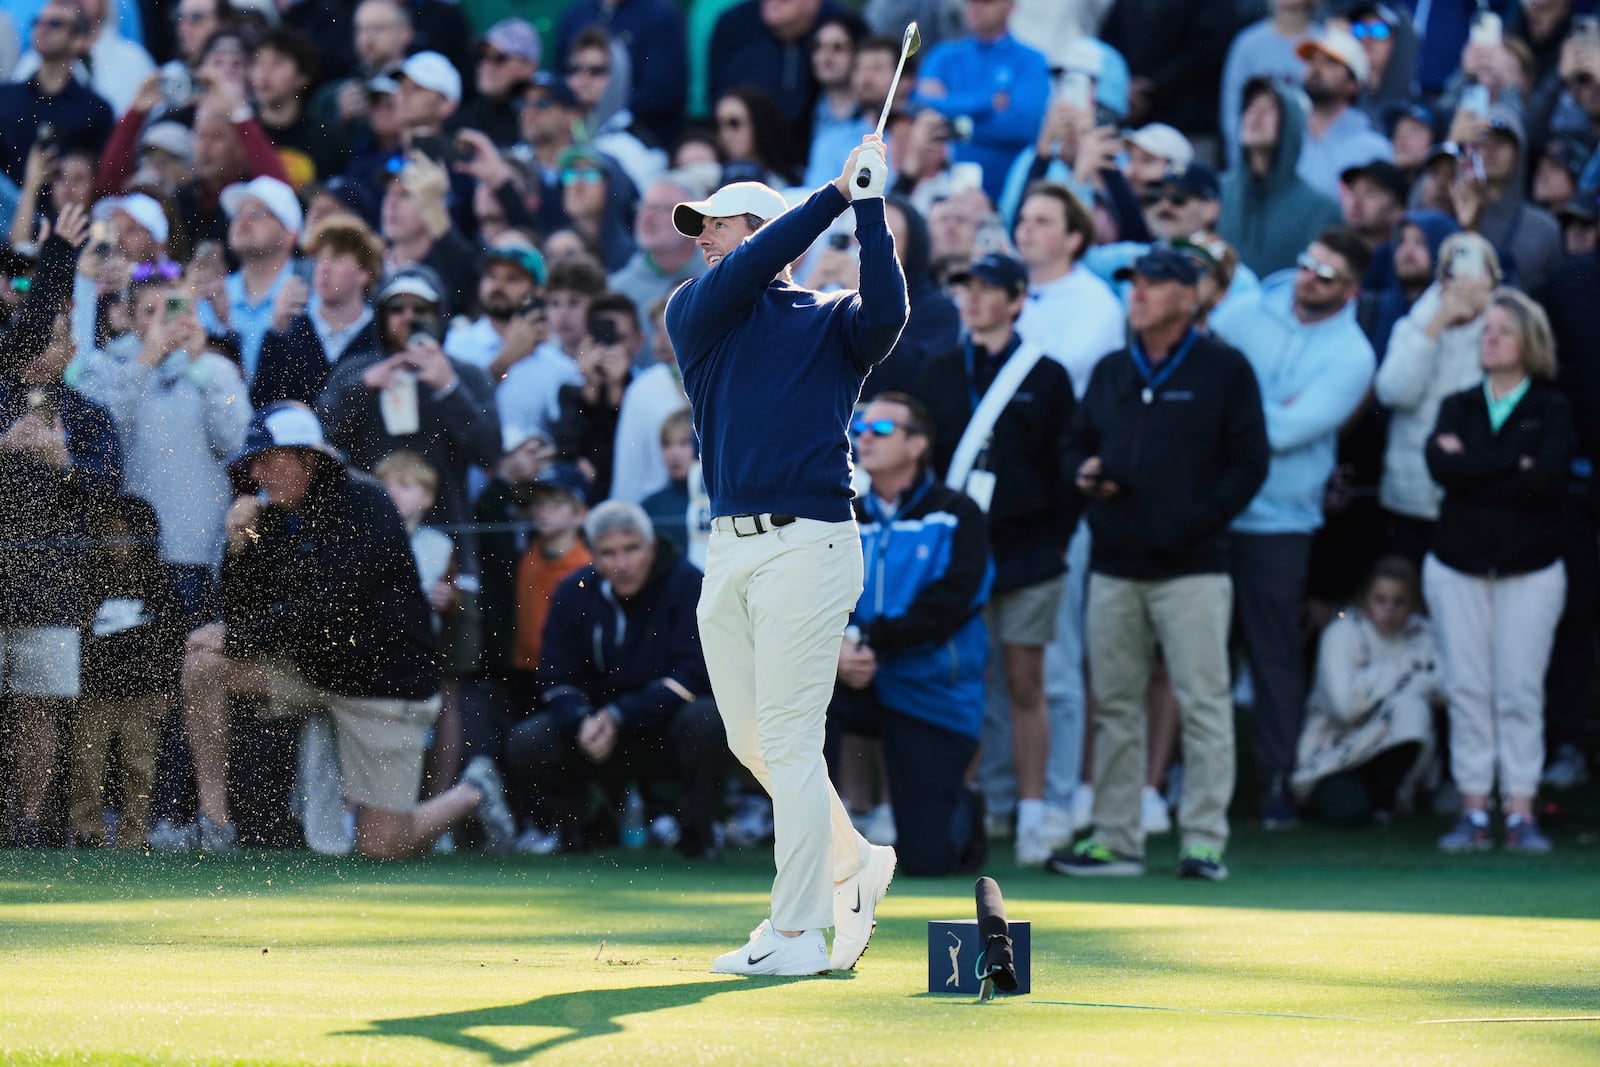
(1353, 948)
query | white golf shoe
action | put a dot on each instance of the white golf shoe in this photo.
(855, 906)
(769, 952)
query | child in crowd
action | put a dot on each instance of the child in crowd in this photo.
(1369, 720)
(132, 642)
(413, 485)
(557, 505)
(668, 507)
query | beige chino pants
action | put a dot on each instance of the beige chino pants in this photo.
(772, 615)
(1189, 616)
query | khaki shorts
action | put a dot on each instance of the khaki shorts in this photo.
(1026, 615)
(381, 739)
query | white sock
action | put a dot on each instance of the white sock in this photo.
(1030, 815)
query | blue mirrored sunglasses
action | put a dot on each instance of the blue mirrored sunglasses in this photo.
(1371, 31)
(877, 427)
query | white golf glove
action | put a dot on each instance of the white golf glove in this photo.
(870, 163)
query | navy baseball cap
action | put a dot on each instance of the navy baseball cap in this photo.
(1163, 265)
(555, 89)
(996, 269)
(1196, 179)
(1381, 172)
(565, 478)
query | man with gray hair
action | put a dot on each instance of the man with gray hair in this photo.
(626, 696)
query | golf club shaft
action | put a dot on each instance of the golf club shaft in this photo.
(864, 174)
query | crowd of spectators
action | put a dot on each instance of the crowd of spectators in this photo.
(346, 469)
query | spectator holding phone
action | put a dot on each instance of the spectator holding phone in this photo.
(587, 414)
(1433, 353)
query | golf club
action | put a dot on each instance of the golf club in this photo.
(908, 47)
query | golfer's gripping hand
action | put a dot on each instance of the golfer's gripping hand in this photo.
(870, 154)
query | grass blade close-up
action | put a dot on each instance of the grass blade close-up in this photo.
(1323, 947)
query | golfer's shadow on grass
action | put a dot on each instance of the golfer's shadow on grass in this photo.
(580, 1014)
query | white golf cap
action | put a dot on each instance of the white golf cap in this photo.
(1341, 47)
(430, 70)
(141, 208)
(1162, 140)
(1082, 56)
(740, 198)
(173, 138)
(277, 197)
(409, 281)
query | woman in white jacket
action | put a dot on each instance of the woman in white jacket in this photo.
(1433, 352)
(1369, 719)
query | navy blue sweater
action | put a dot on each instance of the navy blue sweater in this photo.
(773, 370)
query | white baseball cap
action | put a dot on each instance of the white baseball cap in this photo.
(740, 198)
(1083, 56)
(1162, 140)
(173, 138)
(141, 208)
(277, 197)
(1340, 46)
(430, 70)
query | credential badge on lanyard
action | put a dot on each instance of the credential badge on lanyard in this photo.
(980, 480)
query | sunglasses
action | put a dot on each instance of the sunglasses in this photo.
(1175, 197)
(1325, 272)
(593, 70)
(1371, 31)
(541, 104)
(876, 427)
(143, 272)
(586, 177)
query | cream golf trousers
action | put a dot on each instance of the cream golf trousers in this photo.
(1495, 636)
(772, 615)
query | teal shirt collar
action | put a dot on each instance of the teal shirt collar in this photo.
(1500, 410)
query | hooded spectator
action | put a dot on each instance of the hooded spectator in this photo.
(1269, 213)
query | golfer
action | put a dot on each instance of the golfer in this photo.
(773, 372)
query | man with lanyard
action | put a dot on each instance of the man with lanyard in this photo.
(1169, 445)
(773, 372)
(1001, 409)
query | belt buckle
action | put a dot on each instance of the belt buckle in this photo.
(754, 528)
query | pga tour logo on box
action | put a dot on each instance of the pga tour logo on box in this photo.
(954, 951)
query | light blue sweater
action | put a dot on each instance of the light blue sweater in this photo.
(1313, 376)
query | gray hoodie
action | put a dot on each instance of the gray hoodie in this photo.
(1270, 220)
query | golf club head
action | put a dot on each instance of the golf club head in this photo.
(908, 48)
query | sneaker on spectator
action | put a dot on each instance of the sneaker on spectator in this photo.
(999, 825)
(1057, 827)
(168, 836)
(752, 821)
(1567, 769)
(769, 952)
(878, 827)
(494, 817)
(1522, 835)
(1032, 849)
(1471, 834)
(855, 907)
(216, 837)
(536, 842)
(1153, 813)
(1277, 811)
(1091, 859)
(1082, 807)
(1197, 861)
